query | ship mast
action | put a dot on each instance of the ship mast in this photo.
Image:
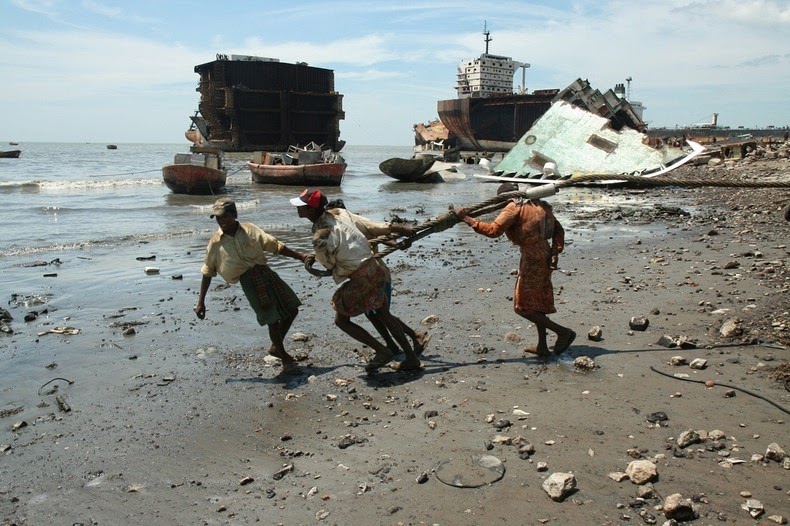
(487, 33)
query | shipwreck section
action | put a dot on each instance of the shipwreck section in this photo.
(609, 105)
(253, 103)
(586, 131)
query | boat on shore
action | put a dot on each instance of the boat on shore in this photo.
(201, 172)
(10, 154)
(299, 166)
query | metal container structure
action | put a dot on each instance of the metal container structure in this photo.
(254, 103)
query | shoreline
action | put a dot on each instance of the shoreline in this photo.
(169, 425)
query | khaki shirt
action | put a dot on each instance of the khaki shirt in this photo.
(231, 256)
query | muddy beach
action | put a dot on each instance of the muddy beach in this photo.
(184, 421)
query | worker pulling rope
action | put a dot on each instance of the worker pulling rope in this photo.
(450, 219)
(497, 202)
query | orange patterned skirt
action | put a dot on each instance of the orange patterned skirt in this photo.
(534, 291)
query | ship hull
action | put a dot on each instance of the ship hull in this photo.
(266, 105)
(492, 124)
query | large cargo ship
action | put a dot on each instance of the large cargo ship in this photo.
(250, 103)
(487, 115)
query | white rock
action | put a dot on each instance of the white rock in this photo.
(754, 507)
(559, 485)
(775, 452)
(641, 471)
(698, 363)
(618, 476)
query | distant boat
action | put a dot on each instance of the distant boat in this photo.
(201, 172)
(12, 154)
(13, 143)
(307, 166)
(112, 147)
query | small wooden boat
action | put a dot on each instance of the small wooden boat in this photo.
(12, 154)
(308, 166)
(200, 172)
(414, 170)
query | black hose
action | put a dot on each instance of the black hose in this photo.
(53, 380)
(761, 397)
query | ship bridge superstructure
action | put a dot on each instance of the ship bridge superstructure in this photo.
(486, 76)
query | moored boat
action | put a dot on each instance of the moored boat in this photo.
(201, 172)
(414, 170)
(11, 154)
(307, 166)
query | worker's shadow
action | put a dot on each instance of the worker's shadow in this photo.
(436, 364)
(289, 381)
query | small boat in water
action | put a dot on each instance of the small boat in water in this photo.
(112, 147)
(11, 154)
(201, 172)
(307, 166)
(414, 170)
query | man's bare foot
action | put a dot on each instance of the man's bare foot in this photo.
(542, 352)
(379, 360)
(290, 367)
(421, 342)
(564, 341)
(407, 365)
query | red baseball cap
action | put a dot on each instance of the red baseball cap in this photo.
(311, 198)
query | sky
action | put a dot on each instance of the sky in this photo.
(113, 71)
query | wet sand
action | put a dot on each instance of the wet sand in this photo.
(188, 422)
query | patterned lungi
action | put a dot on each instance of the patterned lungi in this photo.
(270, 297)
(364, 291)
(534, 291)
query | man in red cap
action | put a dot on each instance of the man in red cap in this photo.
(344, 250)
(237, 253)
(371, 229)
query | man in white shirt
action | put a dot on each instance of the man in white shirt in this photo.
(345, 251)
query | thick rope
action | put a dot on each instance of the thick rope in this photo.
(497, 202)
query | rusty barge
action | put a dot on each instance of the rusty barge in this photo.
(250, 103)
